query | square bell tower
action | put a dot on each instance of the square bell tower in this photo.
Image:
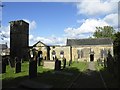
(19, 39)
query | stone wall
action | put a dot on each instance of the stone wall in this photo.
(72, 52)
(86, 51)
(43, 49)
(57, 49)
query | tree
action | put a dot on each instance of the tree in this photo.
(104, 32)
(117, 53)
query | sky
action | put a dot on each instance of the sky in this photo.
(55, 22)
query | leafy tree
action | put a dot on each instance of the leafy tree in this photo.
(117, 53)
(104, 32)
(117, 43)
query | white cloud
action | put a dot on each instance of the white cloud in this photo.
(89, 26)
(112, 19)
(5, 32)
(32, 24)
(97, 7)
(31, 37)
(52, 40)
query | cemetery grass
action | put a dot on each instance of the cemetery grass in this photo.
(46, 76)
(109, 79)
(65, 77)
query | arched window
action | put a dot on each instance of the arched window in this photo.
(80, 53)
(91, 51)
(53, 52)
(61, 52)
(102, 53)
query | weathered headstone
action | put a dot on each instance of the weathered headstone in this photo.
(110, 63)
(70, 62)
(12, 63)
(32, 69)
(33, 64)
(105, 63)
(17, 65)
(39, 57)
(64, 63)
(3, 66)
(57, 64)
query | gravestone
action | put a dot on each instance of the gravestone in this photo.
(110, 63)
(39, 57)
(70, 62)
(3, 66)
(33, 63)
(64, 63)
(11, 63)
(32, 69)
(105, 63)
(17, 65)
(57, 64)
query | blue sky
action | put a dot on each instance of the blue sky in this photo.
(54, 22)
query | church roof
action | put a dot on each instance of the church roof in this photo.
(38, 43)
(89, 41)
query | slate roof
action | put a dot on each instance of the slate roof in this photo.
(39, 42)
(89, 41)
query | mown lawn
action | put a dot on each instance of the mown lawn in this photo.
(47, 76)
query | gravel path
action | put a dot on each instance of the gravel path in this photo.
(91, 66)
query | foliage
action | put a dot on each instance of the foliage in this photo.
(117, 43)
(104, 32)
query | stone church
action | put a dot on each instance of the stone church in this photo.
(77, 49)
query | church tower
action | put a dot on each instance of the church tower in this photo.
(19, 39)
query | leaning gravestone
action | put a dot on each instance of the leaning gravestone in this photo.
(17, 65)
